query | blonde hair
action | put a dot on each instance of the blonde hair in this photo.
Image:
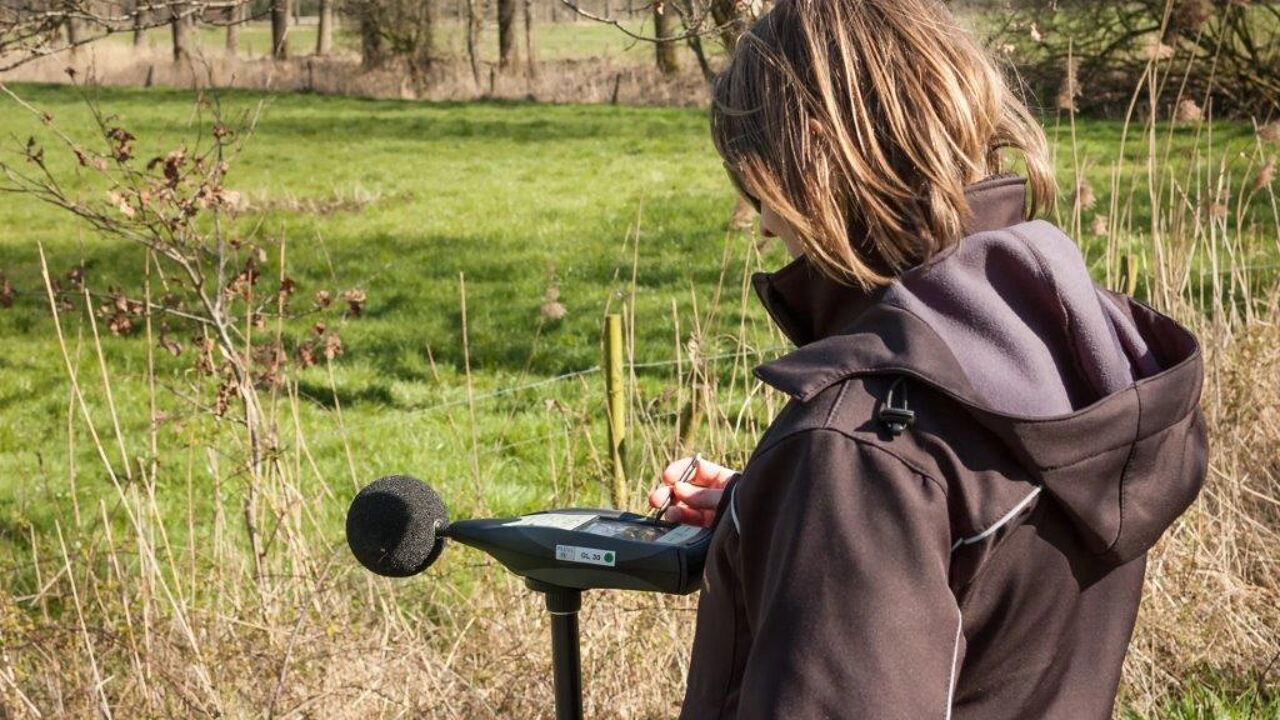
(860, 122)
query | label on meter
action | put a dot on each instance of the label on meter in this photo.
(590, 556)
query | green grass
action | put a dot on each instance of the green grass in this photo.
(1218, 699)
(517, 197)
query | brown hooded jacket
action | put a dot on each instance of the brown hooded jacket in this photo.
(950, 518)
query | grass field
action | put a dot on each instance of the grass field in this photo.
(518, 198)
(405, 200)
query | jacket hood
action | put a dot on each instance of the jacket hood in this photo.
(1096, 394)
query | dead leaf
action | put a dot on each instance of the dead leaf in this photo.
(169, 344)
(332, 346)
(355, 301)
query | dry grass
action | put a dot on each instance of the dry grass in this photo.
(1212, 599)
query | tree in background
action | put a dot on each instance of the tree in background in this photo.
(369, 20)
(74, 34)
(420, 44)
(234, 18)
(664, 30)
(324, 32)
(30, 30)
(733, 17)
(139, 22)
(506, 34)
(687, 21)
(475, 23)
(1093, 54)
(280, 29)
(530, 60)
(404, 29)
(179, 23)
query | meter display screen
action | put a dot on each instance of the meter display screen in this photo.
(625, 530)
(642, 532)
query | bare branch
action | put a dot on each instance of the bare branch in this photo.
(27, 34)
(693, 32)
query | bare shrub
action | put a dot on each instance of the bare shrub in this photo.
(178, 209)
(1226, 51)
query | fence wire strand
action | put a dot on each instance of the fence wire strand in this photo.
(585, 371)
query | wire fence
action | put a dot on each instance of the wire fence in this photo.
(586, 371)
(493, 395)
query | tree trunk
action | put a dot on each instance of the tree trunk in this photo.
(73, 33)
(664, 26)
(139, 24)
(233, 28)
(531, 68)
(695, 44)
(733, 17)
(72, 25)
(474, 24)
(178, 24)
(506, 34)
(324, 33)
(425, 51)
(280, 29)
(370, 39)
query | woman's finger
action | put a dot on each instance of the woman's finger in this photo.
(697, 496)
(676, 470)
(658, 496)
(685, 515)
(686, 495)
(707, 474)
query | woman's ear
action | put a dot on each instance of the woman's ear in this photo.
(817, 128)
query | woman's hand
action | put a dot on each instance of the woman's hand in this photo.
(695, 501)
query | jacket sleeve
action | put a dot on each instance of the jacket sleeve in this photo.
(844, 555)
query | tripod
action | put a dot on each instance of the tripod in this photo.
(563, 604)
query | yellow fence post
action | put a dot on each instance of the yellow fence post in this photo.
(1129, 274)
(616, 406)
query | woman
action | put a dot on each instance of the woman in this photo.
(950, 518)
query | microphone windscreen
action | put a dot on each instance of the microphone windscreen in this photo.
(394, 524)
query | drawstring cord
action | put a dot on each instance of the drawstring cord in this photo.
(896, 417)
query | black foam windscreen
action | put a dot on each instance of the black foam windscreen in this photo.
(394, 524)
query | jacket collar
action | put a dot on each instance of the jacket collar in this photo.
(807, 305)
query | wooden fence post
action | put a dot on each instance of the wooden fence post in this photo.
(616, 406)
(1129, 274)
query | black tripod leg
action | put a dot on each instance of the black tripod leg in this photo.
(563, 604)
(565, 656)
